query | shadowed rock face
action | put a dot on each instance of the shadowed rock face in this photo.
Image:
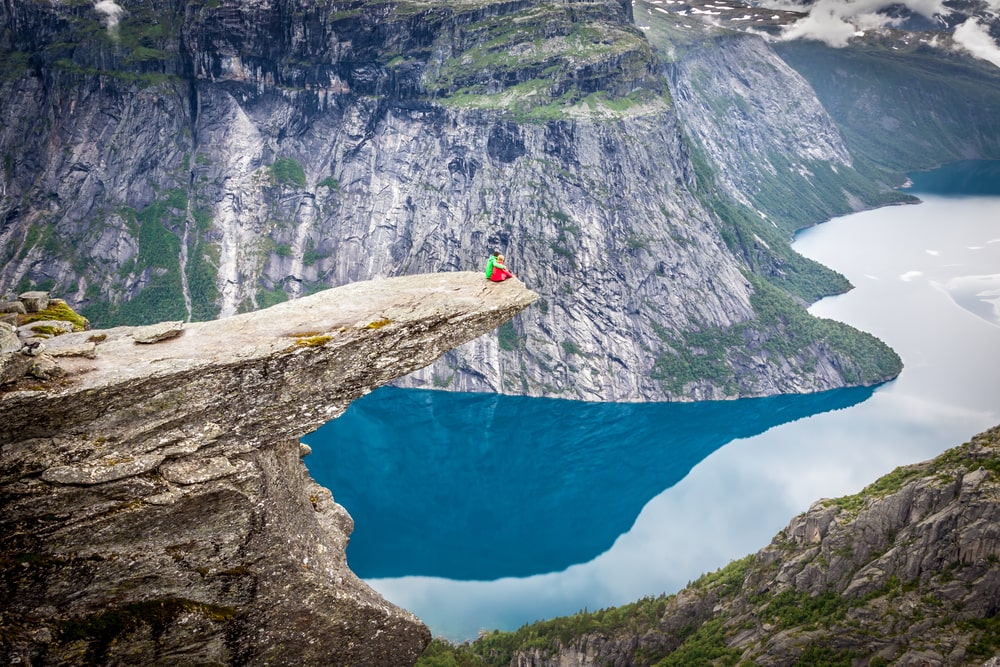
(154, 505)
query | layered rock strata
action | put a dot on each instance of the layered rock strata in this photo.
(153, 505)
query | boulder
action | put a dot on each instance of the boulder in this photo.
(13, 367)
(71, 346)
(44, 367)
(12, 307)
(9, 340)
(154, 333)
(34, 301)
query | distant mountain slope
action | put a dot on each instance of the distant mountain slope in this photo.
(906, 90)
(906, 107)
(906, 572)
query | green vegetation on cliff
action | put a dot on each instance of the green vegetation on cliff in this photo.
(499, 648)
(783, 282)
(157, 229)
(815, 191)
(546, 62)
(782, 330)
(156, 264)
(57, 310)
(288, 171)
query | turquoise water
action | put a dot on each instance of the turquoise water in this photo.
(480, 511)
(483, 486)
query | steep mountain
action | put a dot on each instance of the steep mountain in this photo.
(178, 161)
(904, 573)
(906, 94)
(772, 144)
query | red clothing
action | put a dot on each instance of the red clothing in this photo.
(500, 272)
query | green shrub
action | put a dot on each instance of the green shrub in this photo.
(570, 348)
(508, 338)
(56, 311)
(286, 170)
(705, 646)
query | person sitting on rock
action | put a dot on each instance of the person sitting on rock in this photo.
(489, 264)
(500, 271)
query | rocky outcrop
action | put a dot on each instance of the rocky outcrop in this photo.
(907, 569)
(185, 165)
(153, 505)
(33, 320)
(907, 572)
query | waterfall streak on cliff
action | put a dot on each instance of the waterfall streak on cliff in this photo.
(183, 260)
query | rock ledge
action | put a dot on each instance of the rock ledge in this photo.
(154, 506)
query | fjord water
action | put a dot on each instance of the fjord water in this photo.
(482, 486)
(481, 511)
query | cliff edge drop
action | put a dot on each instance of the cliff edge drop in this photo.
(154, 508)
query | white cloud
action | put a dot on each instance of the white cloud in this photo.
(973, 37)
(823, 24)
(836, 21)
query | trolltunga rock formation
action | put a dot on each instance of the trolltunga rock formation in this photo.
(154, 508)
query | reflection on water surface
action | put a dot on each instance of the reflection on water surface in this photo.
(482, 486)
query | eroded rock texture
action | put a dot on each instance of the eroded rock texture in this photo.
(155, 509)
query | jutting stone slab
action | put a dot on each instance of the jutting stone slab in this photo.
(166, 480)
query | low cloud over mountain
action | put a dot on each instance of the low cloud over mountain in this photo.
(835, 22)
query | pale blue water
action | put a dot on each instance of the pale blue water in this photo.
(480, 511)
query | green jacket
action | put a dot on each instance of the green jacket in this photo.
(489, 265)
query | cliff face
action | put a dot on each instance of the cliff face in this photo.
(153, 505)
(184, 163)
(760, 123)
(904, 573)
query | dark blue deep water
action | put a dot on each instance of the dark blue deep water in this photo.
(483, 486)
(959, 179)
